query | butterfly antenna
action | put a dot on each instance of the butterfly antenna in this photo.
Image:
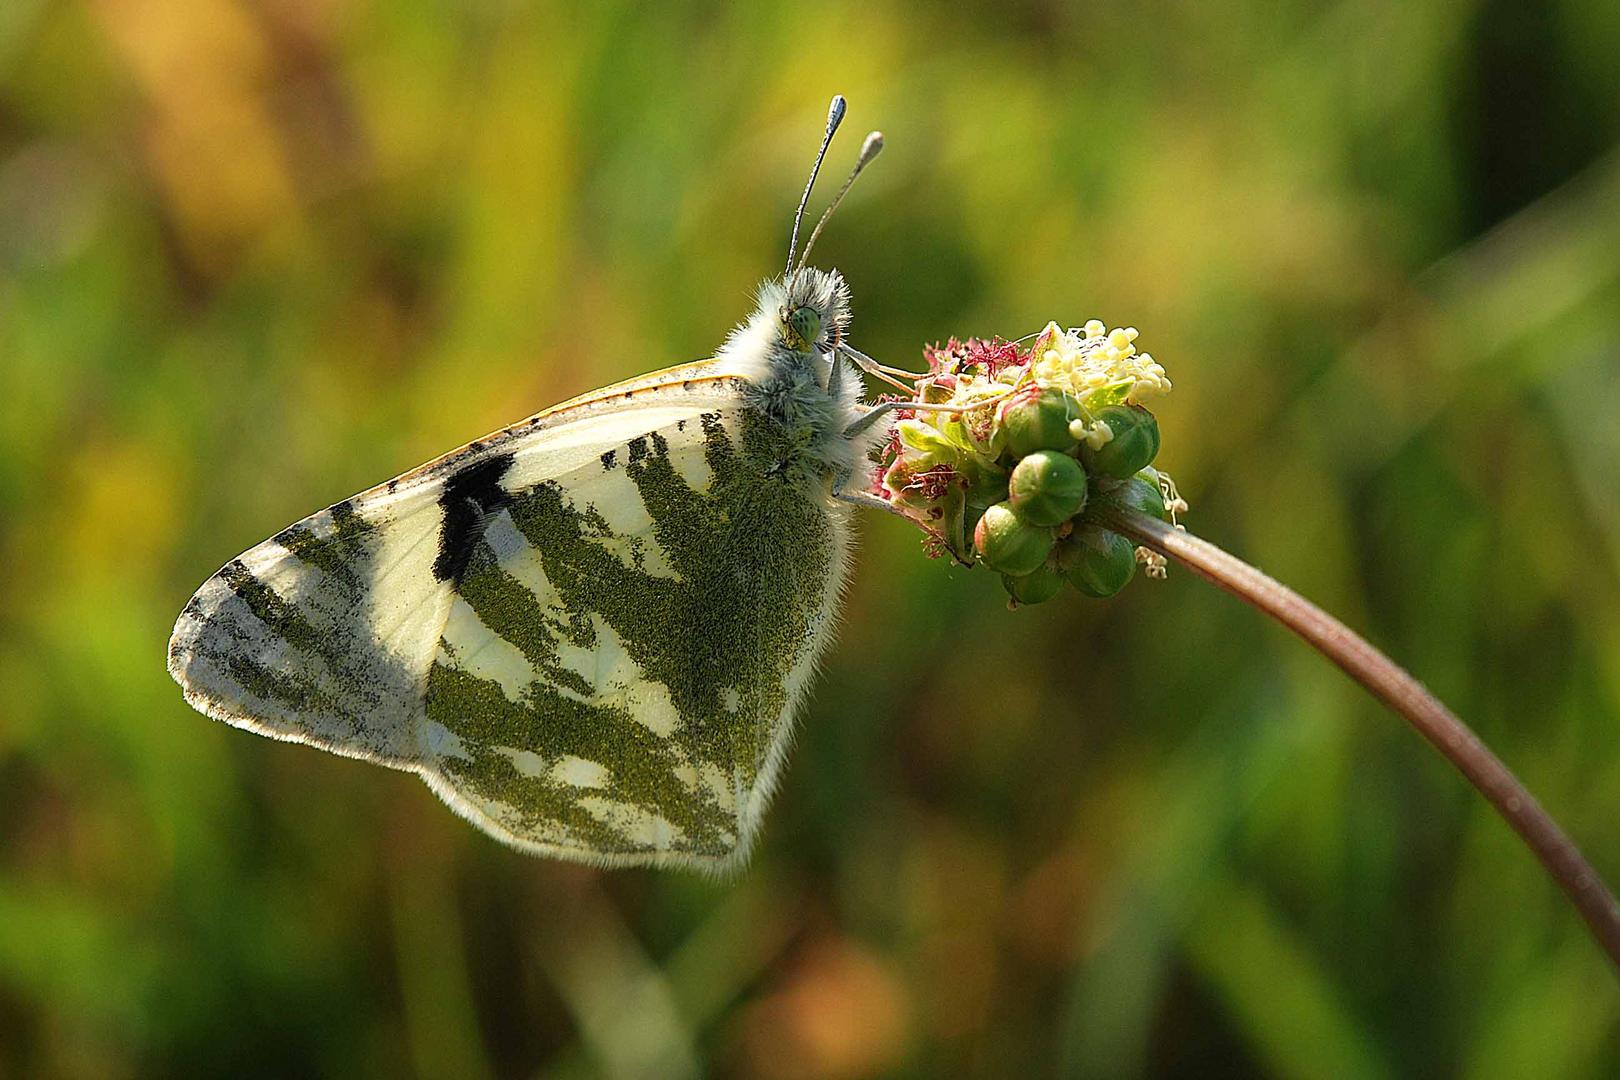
(869, 150)
(835, 116)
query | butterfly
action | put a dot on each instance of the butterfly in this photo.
(589, 631)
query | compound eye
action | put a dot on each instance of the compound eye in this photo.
(803, 326)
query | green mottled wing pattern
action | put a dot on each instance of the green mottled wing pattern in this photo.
(617, 670)
(588, 636)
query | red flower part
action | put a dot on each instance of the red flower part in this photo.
(890, 451)
(941, 357)
(994, 356)
(990, 356)
(933, 483)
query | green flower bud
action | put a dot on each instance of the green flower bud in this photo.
(1036, 588)
(1009, 545)
(1047, 488)
(991, 489)
(1141, 492)
(1134, 446)
(1096, 561)
(1033, 419)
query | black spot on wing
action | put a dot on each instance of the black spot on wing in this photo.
(609, 460)
(470, 496)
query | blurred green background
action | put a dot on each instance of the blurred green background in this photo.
(255, 256)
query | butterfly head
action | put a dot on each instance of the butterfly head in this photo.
(812, 313)
(801, 327)
(788, 352)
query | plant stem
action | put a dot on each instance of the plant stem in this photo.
(1400, 691)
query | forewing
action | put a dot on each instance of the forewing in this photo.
(587, 632)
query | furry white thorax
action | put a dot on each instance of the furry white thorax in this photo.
(790, 385)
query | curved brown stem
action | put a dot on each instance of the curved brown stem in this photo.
(1400, 691)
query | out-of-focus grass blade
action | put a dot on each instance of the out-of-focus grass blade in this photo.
(1188, 818)
(627, 1014)
(1286, 1002)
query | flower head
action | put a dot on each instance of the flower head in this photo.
(1061, 417)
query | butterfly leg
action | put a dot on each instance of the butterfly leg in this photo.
(883, 372)
(874, 414)
(867, 501)
(868, 364)
(883, 408)
(864, 499)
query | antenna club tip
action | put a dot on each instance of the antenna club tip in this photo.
(835, 111)
(873, 143)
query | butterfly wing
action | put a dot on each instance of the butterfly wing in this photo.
(587, 632)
